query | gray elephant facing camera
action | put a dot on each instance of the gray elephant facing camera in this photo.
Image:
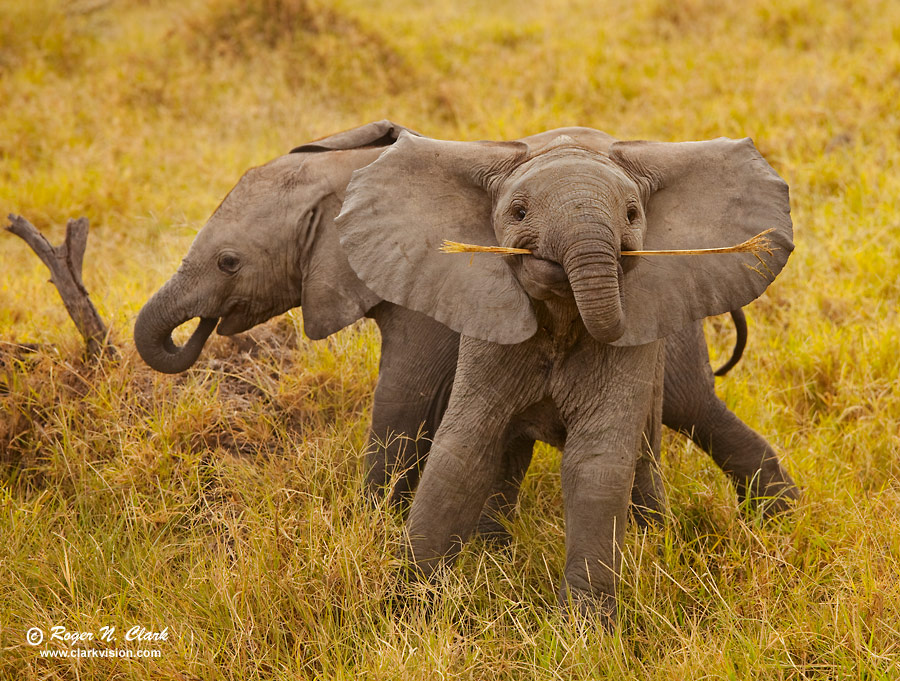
(565, 345)
(271, 245)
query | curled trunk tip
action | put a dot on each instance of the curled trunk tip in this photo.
(153, 339)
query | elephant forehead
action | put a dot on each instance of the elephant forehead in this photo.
(277, 183)
(252, 194)
(246, 227)
(243, 219)
(548, 172)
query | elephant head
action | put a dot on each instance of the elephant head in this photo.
(267, 248)
(577, 202)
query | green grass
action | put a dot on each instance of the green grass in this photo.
(225, 504)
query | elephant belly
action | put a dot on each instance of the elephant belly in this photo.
(540, 421)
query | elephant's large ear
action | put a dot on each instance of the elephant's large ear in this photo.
(377, 134)
(399, 209)
(331, 295)
(700, 195)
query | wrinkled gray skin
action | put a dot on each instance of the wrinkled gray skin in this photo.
(565, 345)
(271, 246)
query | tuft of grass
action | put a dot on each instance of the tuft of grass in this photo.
(227, 503)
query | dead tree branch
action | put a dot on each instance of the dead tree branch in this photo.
(65, 262)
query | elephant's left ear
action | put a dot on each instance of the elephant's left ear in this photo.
(700, 195)
(332, 296)
(378, 134)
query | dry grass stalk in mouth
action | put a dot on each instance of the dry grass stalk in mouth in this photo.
(457, 247)
(756, 245)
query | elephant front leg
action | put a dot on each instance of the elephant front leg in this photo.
(606, 432)
(418, 362)
(465, 461)
(597, 494)
(493, 383)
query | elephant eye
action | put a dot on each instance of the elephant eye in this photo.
(632, 214)
(229, 263)
(519, 213)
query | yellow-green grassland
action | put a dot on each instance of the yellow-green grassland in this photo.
(226, 505)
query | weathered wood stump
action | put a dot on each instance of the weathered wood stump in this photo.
(65, 263)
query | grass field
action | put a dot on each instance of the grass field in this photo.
(225, 504)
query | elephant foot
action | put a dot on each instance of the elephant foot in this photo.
(771, 500)
(492, 531)
(406, 600)
(770, 492)
(588, 605)
(646, 517)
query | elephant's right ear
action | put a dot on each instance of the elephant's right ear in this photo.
(701, 195)
(377, 134)
(400, 208)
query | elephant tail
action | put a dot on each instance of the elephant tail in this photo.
(740, 326)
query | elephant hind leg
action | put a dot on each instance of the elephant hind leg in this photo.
(744, 455)
(648, 495)
(691, 406)
(747, 458)
(400, 441)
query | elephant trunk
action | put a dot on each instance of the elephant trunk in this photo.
(592, 266)
(154, 326)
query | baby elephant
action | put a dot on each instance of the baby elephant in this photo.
(564, 345)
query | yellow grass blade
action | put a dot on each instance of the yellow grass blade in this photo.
(756, 245)
(457, 247)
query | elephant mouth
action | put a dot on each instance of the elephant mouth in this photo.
(550, 275)
(232, 324)
(243, 315)
(544, 278)
(626, 264)
(227, 325)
